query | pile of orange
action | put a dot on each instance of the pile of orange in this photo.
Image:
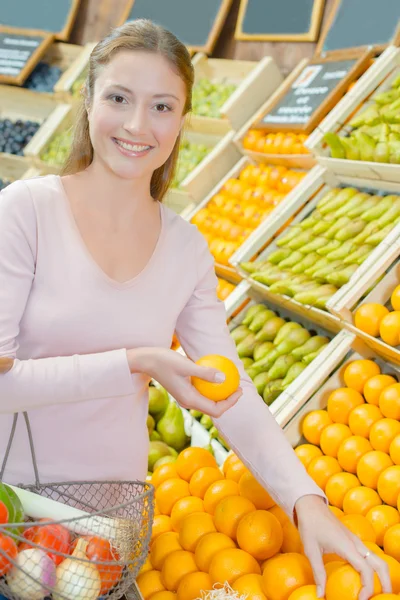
(353, 454)
(258, 140)
(241, 205)
(224, 288)
(376, 320)
(213, 526)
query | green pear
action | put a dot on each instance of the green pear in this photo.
(358, 255)
(312, 246)
(350, 231)
(324, 224)
(327, 197)
(246, 347)
(394, 148)
(150, 424)
(379, 209)
(337, 226)
(343, 251)
(272, 390)
(156, 451)
(335, 145)
(382, 152)
(270, 277)
(339, 278)
(251, 313)
(260, 381)
(292, 232)
(295, 370)
(321, 274)
(278, 255)
(164, 461)
(260, 319)
(292, 260)
(354, 203)
(294, 288)
(247, 361)
(171, 427)
(366, 145)
(310, 221)
(285, 330)
(310, 357)
(387, 97)
(300, 240)
(249, 267)
(270, 330)
(196, 414)
(329, 247)
(206, 421)
(351, 148)
(155, 436)
(281, 287)
(294, 338)
(391, 215)
(239, 333)
(339, 200)
(308, 261)
(369, 202)
(369, 229)
(281, 366)
(321, 262)
(378, 237)
(369, 116)
(311, 345)
(262, 350)
(312, 296)
(158, 401)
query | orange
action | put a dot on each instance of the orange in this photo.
(383, 433)
(165, 595)
(252, 490)
(389, 485)
(382, 518)
(341, 402)
(218, 391)
(208, 546)
(374, 387)
(305, 592)
(169, 492)
(284, 574)
(320, 469)
(350, 452)
(395, 298)
(374, 548)
(361, 527)
(235, 471)
(291, 539)
(280, 514)
(307, 452)
(164, 472)
(175, 567)
(332, 436)
(394, 570)
(362, 418)
(202, 479)
(191, 459)
(389, 401)
(332, 566)
(228, 513)
(385, 597)
(331, 557)
(232, 563)
(339, 514)
(357, 373)
(260, 534)
(192, 529)
(250, 586)
(161, 524)
(391, 541)
(394, 450)
(337, 487)
(150, 583)
(230, 460)
(217, 491)
(147, 565)
(369, 316)
(313, 425)
(192, 585)
(389, 328)
(370, 466)
(183, 508)
(345, 583)
(162, 546)
(360, 500)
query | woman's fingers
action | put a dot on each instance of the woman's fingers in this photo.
(208, 374)
(215, 409)
(367, 563)
(379, 566)
(314, 555)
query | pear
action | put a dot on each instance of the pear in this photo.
(328, 197)
(350, 231)
(367, 146)
(272, 390)
(337, 226)
(354, 202)
(311, 345)
(382, 151)
(247, 361)
(324, 224)
(270, 330)
(378, 237)
(196, 414)
(281, 287)
(299, 241)
(322, 274)
(295, 370)
(270, 277)
(367, 231)
(260, 381)
(387, 97)
(249, 267)
(263, 365)
(369, 116)
(285, 330)
(260, 319)
(294, 288)
(335, 145)
(156, 451)
(312, 246)
(158, 401)
(339, 278)
(292, 340)
(369, 202)
(351, 148)
(394, 148)
(396, 81)
(246, 347)
(150, 424)
(308, 261)
(281, 367)
(381, 207)
(262, 350)
(293, 232)
(392, 214)
(164, 461)
(171, 427)
(155, 437)
(206, 421)
(358, 255)
(329, 247)
(278, 255)
(310, 221)
(312, 296)
(343, 251)
(251, 313)
(310, 357)
(239, 333)
(339, 200)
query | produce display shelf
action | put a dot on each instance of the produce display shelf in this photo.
(255, 81)
(244, 296)
(303, 200)
(13, 168)
(325, 382)
(377, 78)
(76, 70)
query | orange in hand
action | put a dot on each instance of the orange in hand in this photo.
(218, 391)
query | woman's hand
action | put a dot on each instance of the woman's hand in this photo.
(321, 532)
(173, 371)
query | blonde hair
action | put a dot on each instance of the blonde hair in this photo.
(139, 35)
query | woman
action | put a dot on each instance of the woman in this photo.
(96, 275)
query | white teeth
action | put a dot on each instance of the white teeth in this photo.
(132, 147)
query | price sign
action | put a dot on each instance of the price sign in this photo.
(20, 53)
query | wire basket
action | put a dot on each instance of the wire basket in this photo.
(96, 554)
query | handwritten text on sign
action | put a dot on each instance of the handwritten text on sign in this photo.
(15, 51)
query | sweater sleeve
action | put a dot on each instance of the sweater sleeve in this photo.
(33, 383)
(248, 427)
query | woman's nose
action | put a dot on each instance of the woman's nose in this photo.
(137, 119)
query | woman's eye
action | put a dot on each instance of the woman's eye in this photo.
(162, 108)
(117, 99)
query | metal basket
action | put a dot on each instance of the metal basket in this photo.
(116, 519)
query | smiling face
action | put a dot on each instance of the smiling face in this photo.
(136, 113)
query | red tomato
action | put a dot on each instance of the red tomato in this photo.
(100, 550)
(3, 513)
(9, 547)
(48, 537)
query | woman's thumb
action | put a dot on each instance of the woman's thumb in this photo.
(210, 374)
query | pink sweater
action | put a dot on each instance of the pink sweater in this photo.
(68, 324)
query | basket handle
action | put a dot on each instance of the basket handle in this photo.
(31, 445)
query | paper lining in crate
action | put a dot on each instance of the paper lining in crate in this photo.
(301, 161)
(351, 297)
(327, 380)
(67, 88)
(222, 267)
(244, 296)
(305, 198)
(377, 78)
(254, 82)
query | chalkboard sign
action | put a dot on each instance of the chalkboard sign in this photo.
(359, 24)
(311, 92)
(279, 20)
(19, 54)
(53, 16)
(197, 23)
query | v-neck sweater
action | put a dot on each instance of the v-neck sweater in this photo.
(68, 325)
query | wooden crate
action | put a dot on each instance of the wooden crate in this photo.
(323, 384)
(13, 168)
(377, 77)
(244, 296)
(299, 204)
(179, 201)
(75, 70)
(255, 82)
